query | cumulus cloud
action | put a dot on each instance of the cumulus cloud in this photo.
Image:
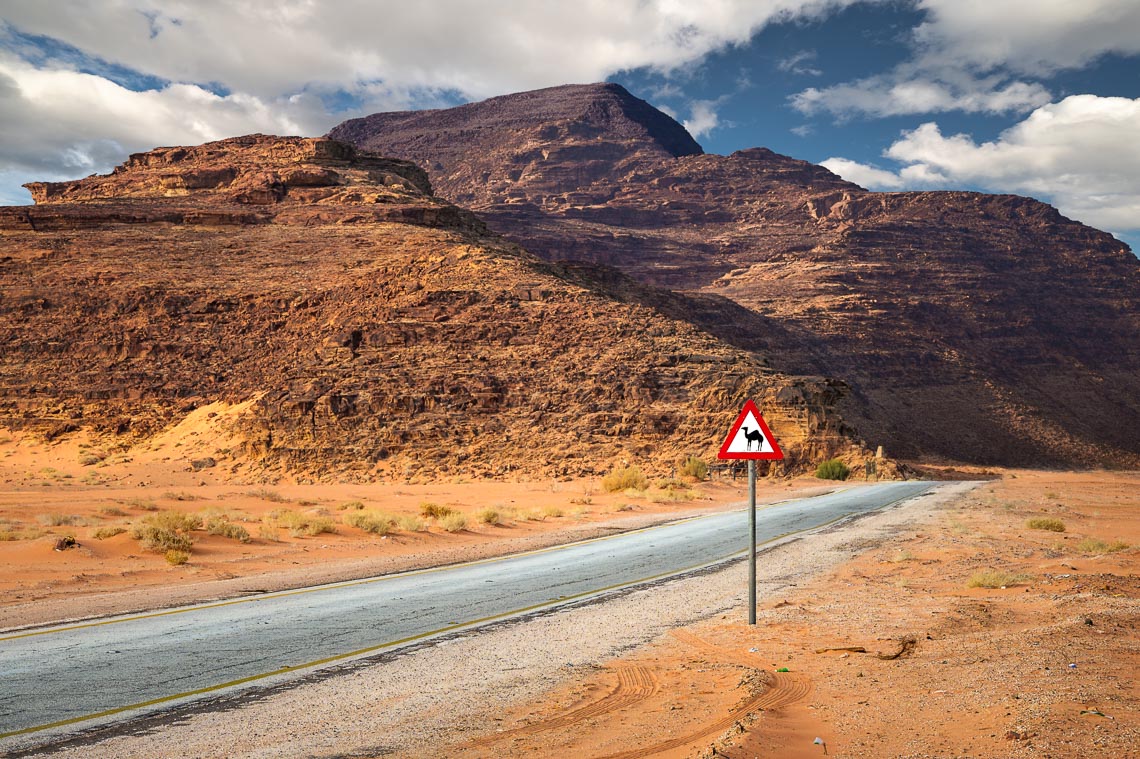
(981, 56)
(1081, 154)
(903, 92)
(82, 83)
(703, 118)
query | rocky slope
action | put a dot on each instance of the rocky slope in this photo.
(320, 311)
(970, 327)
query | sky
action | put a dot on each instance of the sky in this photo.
(1033, 97)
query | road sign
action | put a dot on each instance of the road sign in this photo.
(750, 438)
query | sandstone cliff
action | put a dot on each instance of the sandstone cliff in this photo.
(970, 327)
(358, 325)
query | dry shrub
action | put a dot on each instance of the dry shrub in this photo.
(454, 522)
(996, 578)
(183, 496)
(371, 521)
(227, 529)
(175, 557)
(551, 511)
(1095, 545)
(410, 523)
(489, 516)
(60, 520)
(268, 495)
(108, 532)
(1046, 523)
(353, 505)
(299, 524)
(694, 467)
(626, 478)
(435, 511)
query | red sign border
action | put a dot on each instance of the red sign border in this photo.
(774, 455)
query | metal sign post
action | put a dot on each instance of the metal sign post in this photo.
(751, 542)
(751, 440)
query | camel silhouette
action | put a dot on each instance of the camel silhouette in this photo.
(756, 436)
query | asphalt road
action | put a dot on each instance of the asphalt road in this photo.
(68, 674)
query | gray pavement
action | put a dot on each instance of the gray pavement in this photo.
(71, 672)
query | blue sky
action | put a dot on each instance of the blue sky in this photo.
(1035, 97)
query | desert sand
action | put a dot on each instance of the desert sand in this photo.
(899, 649)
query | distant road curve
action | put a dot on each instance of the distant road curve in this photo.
(69, 674)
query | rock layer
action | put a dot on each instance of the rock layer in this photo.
(361, 326)
(970, 327)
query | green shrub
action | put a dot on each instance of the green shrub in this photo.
(453, 522)
(435, 510)
(695, 468)
(370, 521)
(1046, 523)
(626, 478)
(832, 469)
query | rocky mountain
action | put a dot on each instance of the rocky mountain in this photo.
(316, 310)
(969, 327)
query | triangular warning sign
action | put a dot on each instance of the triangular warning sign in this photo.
(750, 438)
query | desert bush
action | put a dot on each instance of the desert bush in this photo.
(1095, 545)
(267, 495)
(174, 520)
(410, 523)
(670, 484)
(370, 521)
(161, 539)
(489, 516)
(108, 532)
(453, 522)
(1046, 523)
(582, 500)
(183, 496)
(551, 511)
(996, 578)
(112, 511)
(694, 467)
(435, 510)
(300, 524)
(90, 459)
(625, 478)
(671, 496)
(227, 529)
(175, 557)
(832, 469)
(268, 532)
(353, 505)
(59, 520)
(143, 504)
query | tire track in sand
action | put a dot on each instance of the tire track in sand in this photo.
(785, 688)
(635, 683)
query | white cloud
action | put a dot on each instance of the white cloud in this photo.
(798, 64)
(1081, 154)
(703, 118)
(275, 60)
(982, 56)
(1028, 36)
(903, 92)
(864, 175)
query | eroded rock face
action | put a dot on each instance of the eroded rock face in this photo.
(366, 327)
(970, 327)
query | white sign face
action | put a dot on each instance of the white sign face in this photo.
(750, 438)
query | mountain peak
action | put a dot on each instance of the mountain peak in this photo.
(601, 111)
